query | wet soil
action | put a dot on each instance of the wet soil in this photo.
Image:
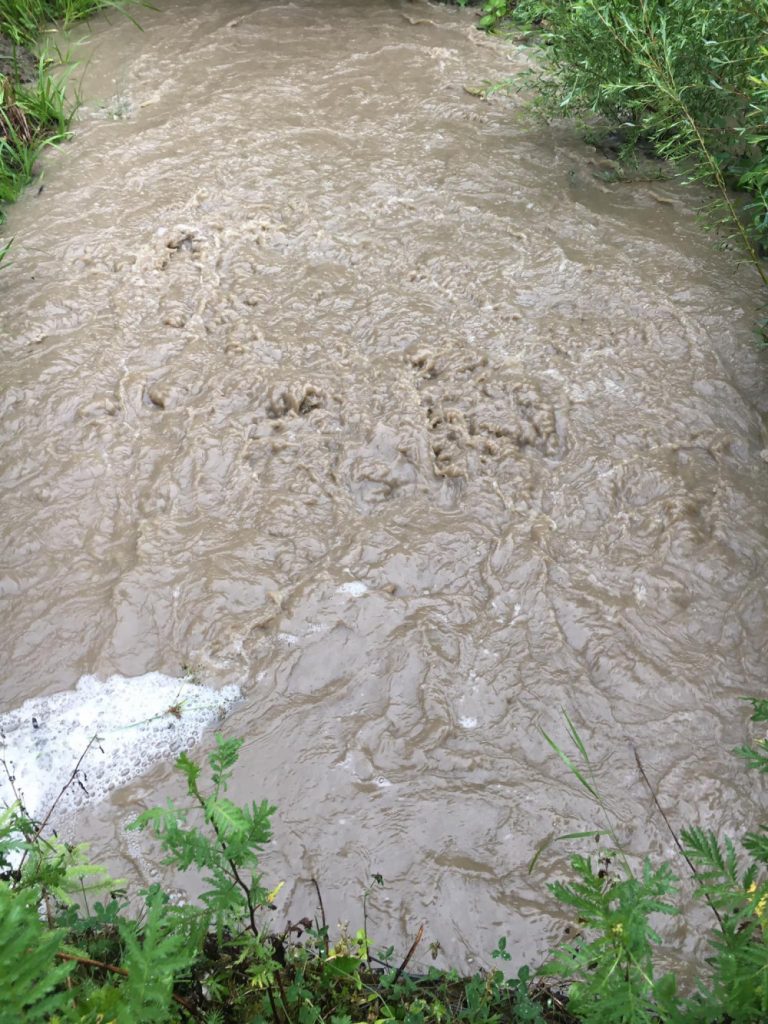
(16, 63)
(341, 383)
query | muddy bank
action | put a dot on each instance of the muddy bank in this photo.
(350, 388)
(16, 63)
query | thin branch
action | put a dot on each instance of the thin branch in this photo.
(409, 954)
(271, 995)
(62, 791)
(672, 832)
(283, 997)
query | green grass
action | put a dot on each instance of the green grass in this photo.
(22, 21)
(31, 116)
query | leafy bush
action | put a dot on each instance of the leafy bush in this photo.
(688, 78)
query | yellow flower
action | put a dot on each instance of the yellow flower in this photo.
(762, 905)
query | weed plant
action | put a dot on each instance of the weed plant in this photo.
(613, 965)
(216, 960)
(31, 117)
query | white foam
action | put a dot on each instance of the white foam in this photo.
(139, 722)
(355, 588)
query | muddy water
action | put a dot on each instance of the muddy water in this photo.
(333, 380)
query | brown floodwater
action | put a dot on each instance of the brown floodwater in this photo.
(337, 382)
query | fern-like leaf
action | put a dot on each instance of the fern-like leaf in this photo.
(154, 959)
(756, 843)
(32, 985)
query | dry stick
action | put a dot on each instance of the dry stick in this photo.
(409, 954)
(88, 962)
(672, 832)
(322, 915)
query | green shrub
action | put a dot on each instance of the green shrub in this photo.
(216, 959)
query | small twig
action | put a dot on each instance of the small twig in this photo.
(86, 961)
(672, 832)
(271, 995)
(365, 927)
(322, 915)
(12, 783)
(409, 954)
(283, 997)
(85, 897)
(62, 791)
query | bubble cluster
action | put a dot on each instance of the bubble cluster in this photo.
(120, 728)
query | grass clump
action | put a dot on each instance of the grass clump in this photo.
(32, 116)
(22, 21)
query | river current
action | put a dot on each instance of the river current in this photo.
(328, 378)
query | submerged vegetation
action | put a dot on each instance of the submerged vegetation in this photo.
(688, 79)
(66, 955)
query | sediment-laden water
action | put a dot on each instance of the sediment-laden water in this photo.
(336, 382)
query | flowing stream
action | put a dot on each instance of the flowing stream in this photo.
(330, 379)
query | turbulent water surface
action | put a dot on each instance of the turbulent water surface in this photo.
(338, 383)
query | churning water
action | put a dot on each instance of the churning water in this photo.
(346, 386)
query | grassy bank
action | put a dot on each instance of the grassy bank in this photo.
(34, 109)
(71, 950)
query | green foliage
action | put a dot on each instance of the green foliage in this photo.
(757, 756)
(156, 954)
(228, 851)
(612, 971)
(496, 14)
(31, 116)
(218, 960)
(32, 980)
(35, 114)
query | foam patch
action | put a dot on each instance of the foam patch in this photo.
(139, 722)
